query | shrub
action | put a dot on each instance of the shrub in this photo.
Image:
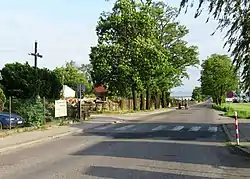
(31, 110)
(1, 105)
(2, 96)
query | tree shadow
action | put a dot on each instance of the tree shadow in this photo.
(189, 153)
(122, 173)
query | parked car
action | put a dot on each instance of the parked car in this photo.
(15, 120)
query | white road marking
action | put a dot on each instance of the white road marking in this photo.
(104, 127)
(159, 128)
(177, 128)
(194, 128)
(125, 127)
(212, 129)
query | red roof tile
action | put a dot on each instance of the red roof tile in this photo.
(100, 89)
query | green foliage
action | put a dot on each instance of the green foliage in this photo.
(2, 96)
(140, 47)
(197, 94)
(31, 110)
(22, 81)
(71, 76)
(234, 17)
(218, 77)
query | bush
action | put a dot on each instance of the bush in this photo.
(1, 105)
(2, 96)
(31, 110)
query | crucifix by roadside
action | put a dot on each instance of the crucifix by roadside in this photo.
(36, 54)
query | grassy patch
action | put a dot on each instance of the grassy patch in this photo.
(243, 109)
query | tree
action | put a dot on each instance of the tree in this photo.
(122, 35)
(70, 75)
(139, 49)
(86, 69)
(181, 55)
(234, 16)
(218, 77)
(19, 80)
(197, 94)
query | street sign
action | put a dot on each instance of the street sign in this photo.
(80, 87)
(230, 94)
(80, 90)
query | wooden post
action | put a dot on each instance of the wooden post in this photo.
(10, 112)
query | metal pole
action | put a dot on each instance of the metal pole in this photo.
(10, 112)
(44, 109)
(80, 93)
(237, 128)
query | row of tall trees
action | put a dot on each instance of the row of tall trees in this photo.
(141, 51)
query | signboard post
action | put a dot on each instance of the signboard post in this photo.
(60, 108)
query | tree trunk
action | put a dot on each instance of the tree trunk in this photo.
(142, 104)
(163, 101)
(219, 100)
(155, 101)
(134, 99)
(158, 101)
(148, 100)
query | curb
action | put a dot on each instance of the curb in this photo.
(239, 149)
(39, 140)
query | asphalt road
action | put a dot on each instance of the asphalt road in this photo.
(185, 144)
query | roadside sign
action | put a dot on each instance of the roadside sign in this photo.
(80, 87)
(230, 94)
(80, 90)
(60, 108)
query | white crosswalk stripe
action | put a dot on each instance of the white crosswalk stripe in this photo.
(125, 127)
(159, 128)
(194, 128)
(212, 129)
(177, 128)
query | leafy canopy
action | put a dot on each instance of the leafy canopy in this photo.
(218, 77)
(140, 46)
(70, 75)
(234, 17)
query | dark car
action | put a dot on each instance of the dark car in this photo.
(14, 121)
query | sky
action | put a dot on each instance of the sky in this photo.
(65, 30)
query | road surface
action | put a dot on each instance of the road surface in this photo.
(184, 144)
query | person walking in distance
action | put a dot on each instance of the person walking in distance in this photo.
(186, 104)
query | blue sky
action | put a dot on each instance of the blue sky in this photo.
(65, 31)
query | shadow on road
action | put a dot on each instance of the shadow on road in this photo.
(122, 173)
(190, 153)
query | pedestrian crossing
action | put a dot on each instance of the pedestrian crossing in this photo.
(157, 127)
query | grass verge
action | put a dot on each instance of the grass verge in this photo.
(243, 109)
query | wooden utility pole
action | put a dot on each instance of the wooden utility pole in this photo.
(36, 54)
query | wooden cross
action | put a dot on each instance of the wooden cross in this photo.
(35, 54)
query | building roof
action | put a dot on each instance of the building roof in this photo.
(100, 89)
